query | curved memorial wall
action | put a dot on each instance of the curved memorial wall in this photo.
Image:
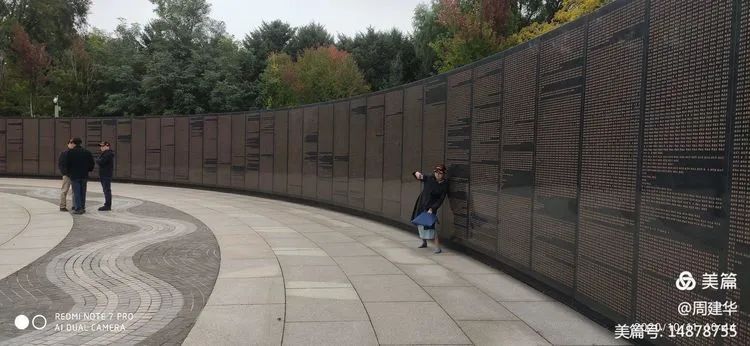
(603, 158)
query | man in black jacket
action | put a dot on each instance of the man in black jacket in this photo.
(79, 163)
(106, 162)
(62, 163)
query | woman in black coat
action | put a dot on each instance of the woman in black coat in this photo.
(434, 190)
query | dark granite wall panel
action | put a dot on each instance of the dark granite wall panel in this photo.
(357, 143)
(609, 159)
(14, 140)
(196, 150)
(392, 148)
(310, 153)
(252, 151)
(210, 147)
(295, 140)
(167, 149)
(561, 73)
(268, 162)
(181, 149)
(412, 149)
(30, 146)
(457, 157)
(374, 153)
(325, 152)
(47, 156)
(137, 148)
(683, 178)
(124, 145)
(486, 127)
(738, 249)
(279, 151)
(237, 179)
(433, 140)
(3, 147)
(516, 156)
(341, 153)
(92, 139)
(153, 148)
(224, 151)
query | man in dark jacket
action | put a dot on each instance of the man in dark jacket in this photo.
(79, 163)
(62, 163)
(106, 162)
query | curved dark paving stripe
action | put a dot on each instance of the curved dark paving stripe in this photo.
(144, 258)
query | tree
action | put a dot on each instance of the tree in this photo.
(53, 22)
(569, 10)
(319, 74)
(193, 64)
(386, 59)
(470, 37)
(427, 30)
(312, 35)
(258, 45)
(122, 67)
(75, 76)
(33, 60)
(276, 89)
(497, 13)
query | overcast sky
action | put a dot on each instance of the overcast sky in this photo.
(241, 17)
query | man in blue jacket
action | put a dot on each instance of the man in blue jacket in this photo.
(106, 162)
(79, 163)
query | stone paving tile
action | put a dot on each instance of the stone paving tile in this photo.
(463, 265)
(298, 242)
(432, 275)
(403, 256)
(238, 325)
(19, 256)
(315, 277)
(249, 268)
(329, 333)
(329, 237)
(376, 241)
(562, 325)
(241, 239)
(298, 260)
(324, 305)
(414, 323)
(353, 232)
(347, 249)
(504, 288)
(247, 291)
(493, 333)
(246, 252)
(366, 265)
(388, 288)
(469, 303)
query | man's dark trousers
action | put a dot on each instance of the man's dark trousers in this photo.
(107, 189)
(79, 193)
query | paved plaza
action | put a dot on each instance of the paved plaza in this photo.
(174, 265)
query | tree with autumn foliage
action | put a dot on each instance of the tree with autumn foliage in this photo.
(33, 60)
(319, 74)
(471, 34)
